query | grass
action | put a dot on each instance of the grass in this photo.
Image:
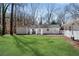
(35, 45)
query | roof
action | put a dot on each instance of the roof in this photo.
(44, 26)
(75, 22)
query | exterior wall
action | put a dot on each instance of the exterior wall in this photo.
(74, 27)
(73, 32)
(21, 30)
(70, 34)
(76, 35)
(38, 30)
(24, 30)
(50, 30)
(47, 31)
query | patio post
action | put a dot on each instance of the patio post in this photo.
(30, 31)
(41, 31)
(36, 31)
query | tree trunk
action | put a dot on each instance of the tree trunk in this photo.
(11, 20)
(3, 20)
(15, 21)
(4, 8)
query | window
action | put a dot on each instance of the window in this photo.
(47, 29)
(69, 27)
(39, 29)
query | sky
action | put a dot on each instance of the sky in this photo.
(42, 8)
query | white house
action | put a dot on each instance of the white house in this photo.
(71, 29)
(39, 29)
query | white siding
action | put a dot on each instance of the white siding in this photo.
(25, 30)
(69, 34)
(76, 35)
(21, 30)
(51, 30)
(38, 30)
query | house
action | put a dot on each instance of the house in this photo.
(71, 29)
(38, 29)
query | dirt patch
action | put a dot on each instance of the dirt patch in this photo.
(73, 42)
(54, 35)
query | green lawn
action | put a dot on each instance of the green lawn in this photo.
(35, 45)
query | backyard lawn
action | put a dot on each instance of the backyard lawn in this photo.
(36, 45)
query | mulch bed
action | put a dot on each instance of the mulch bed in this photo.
(75, 43)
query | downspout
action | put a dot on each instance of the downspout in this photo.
(72, 37)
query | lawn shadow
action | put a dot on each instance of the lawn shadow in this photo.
(21, 45)
(4, 37)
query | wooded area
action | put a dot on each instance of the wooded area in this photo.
(15, 15)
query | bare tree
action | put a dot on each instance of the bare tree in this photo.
(0, 14)
(0, 19)
(41, 20)
(11, 20)
(4, 9)
(50, 10)
(15, 18)
(61, 18)
(33, 10)
(73, 9)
